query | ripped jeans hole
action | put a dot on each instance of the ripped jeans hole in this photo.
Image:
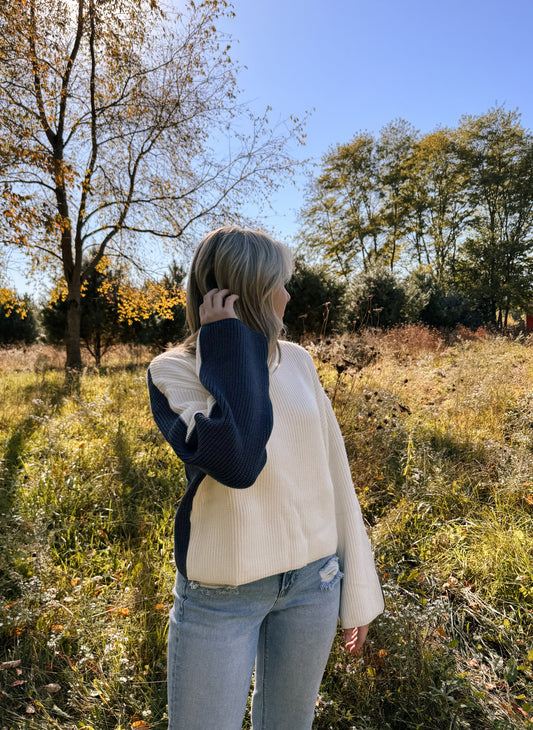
(330, 574)
(221, 588)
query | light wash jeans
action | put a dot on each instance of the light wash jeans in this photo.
(284, 623)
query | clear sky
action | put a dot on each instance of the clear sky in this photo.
(361, 64)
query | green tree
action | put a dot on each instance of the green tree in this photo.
(495, 265)
(394, 149)
(356, 210)
(109, 115)
(431, 303)
(341, 217)
(436, 202)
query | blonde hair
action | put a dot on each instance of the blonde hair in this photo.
(248, 263)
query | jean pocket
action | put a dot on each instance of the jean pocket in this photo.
(330, 574)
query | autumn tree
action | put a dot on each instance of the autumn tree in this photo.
(18, 323)
(114, 309)
(99, 310)
(111, 115)
(163, 326)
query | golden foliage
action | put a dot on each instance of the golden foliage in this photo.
(136, 304)
(10, 302)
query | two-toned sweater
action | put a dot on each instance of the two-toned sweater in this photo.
(269, 488)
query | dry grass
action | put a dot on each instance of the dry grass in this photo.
(43, 358)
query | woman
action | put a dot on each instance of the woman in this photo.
(269, 523)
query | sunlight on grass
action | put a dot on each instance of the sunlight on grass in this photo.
(439, 436)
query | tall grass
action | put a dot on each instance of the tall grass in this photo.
(440, 440)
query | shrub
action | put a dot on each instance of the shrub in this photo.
(431, 304)
(315, 305)
(18, 324)
(375, 298)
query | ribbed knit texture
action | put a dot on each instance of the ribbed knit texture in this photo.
(269, 485)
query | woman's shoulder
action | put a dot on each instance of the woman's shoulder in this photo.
(179, 355)
(296, 354)
(294, 349)
(176, 366)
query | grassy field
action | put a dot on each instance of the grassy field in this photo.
(440, 438)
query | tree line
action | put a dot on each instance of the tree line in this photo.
(114, 310)
(455, 205)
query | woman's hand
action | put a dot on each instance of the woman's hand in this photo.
(355, 638)
(217, 304)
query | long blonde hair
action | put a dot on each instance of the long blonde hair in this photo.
(248, 263)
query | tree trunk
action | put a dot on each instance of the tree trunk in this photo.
(98, 349)
(73, 325)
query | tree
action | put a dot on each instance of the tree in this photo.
(342, 214)
(99, 309)
(429, 302)
(394, 148)
(161, 328)
(109, 116)
(114, 310)
(495, 265)
(356, 210)
(436, 201)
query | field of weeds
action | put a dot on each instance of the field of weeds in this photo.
(439, 433)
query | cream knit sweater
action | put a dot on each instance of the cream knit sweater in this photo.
(269, 485)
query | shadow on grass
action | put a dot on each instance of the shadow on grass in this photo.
(46, 397)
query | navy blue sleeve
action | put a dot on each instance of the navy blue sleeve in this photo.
(229, 444)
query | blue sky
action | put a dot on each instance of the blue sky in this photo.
(360, 65)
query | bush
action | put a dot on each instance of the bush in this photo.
(429, 303)
(376, 298)
(315, 305)
(18, 324)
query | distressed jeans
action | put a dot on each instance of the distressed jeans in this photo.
(284, 624)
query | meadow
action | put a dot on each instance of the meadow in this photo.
(439, 433)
